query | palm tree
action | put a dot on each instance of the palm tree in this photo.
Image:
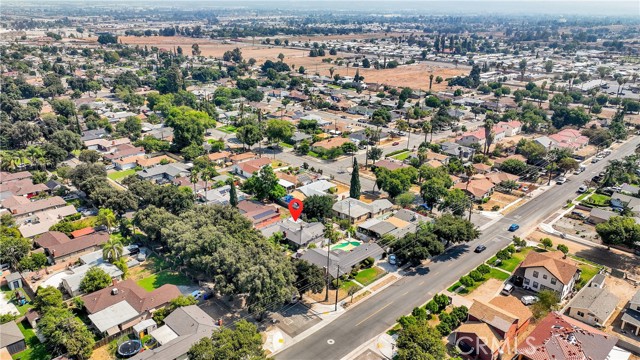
(426, 129)
(488, 135)
(430, 81)
(34, 153)
(193, 177)
(112, 250)
(107, 218)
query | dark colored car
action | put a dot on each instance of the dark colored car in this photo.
(480, 248)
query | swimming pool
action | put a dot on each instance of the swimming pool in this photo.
(346, 245)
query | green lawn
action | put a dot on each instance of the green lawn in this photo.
(35, 349)
(285, 145)
(581, 197)
(346, 285)
(402, 156)
(367, 276)
(163, 277)
(228, 129)
(598, 199)
(8, 294)
(493, 274)
(314, 154)
(588, 272)
(511, 264)
(119, 175)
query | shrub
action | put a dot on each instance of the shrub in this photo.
(406, 321)
(441, 300)
(419, 313)
(476, 275)
(484, 269)
(444, 329)
(503, 255)
(495, 208)
(467, 281)
(432, 307)
(511, 249)
(460, 312)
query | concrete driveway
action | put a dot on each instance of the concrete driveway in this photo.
(6, 306)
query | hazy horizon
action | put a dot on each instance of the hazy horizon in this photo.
(621, 8)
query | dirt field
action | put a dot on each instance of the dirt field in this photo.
(414, 76)
(487, 291)
(499, 199)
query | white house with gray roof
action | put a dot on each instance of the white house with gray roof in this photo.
(593, 306)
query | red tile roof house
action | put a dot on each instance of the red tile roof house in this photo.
(511, 128)
(559, 337)
(478, 188)
(124, 304)
(60, 248)
(492, 328)
(260, 215)
(247, 168)
(478, 136)
(548, 271)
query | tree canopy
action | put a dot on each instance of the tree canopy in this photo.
(242, 343)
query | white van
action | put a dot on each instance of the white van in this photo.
(507, 289)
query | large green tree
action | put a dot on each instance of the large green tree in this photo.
(94, 280)
(65, 333)
(188, 125)
(242, 343)
(318, 206)
(455, 229)
(419, 341)
(619, 230)
(354, 189)
(264, 185)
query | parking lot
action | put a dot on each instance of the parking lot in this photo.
(295, 319)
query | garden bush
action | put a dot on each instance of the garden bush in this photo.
(432, 307)
(503, 255)
(484, 269)
(467, 281)
(476, 276)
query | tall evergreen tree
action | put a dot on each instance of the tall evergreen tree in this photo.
(354, 191)
(233, 194)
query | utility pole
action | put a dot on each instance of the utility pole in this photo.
(337, 287)
(326, 296)
(260, 125)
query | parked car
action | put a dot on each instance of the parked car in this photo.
(507, 289)
(529, 299)
(392, 259)
(133, 249)
(514, 227)
(142, 255)
(583, 189)
(595, 160)
(561, 180)
(480, 248)
(395, 143)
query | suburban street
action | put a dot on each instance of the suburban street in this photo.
(375, 315)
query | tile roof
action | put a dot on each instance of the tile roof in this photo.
(82, 232)
(477, 187)
(139, 298)
(560, 337)
(562, 269)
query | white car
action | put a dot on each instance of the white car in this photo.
(529, 299)
(392, 259)
(561, 180)
(583, 189)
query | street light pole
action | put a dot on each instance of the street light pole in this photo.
(337, 287)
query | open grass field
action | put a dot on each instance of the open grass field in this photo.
(493, 274)
(511, 264)
(415, 76)
(119, 175)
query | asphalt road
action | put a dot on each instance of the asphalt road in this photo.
(367, 320)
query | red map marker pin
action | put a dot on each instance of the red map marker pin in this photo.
(295, 208)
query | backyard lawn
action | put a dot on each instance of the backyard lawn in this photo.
(367, 276)
(119, 175)
(588, 272)
(8, 294)
(154, 281)
(511, 264)
(35, 349)
(285, 145)
(402, 156)
(598, 199)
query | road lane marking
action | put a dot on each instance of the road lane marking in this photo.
(422, 282)
(406, 293)
(370, 316)
(331, 341)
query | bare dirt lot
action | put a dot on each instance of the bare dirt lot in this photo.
(414, 76)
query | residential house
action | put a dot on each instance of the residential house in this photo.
(28, 209)
(566, 139)
(11, 339)
(341, 262)
(548, 271)
(492, 328)
(629, 189)
(298, 137)
(123, 152)
(71, 283)
(147, 162)
(631, 316)
(106, 146)
(619, 201)
(183, 328)
(597, 215)
(389, 164)
(356, 210)
(61, 248)
(248, 168)
(593, 306)
(478, 187)
(165, 173)
(328, 144)
(299, 233)
(318, 187)
(498, 177)
(459, 151)
(23, 187)
(6, 177)
(511, 128)
(219, 158)
(560, 337)
(259, 214)
(478, 136)
(221, 195)
(125, 304)
(481, 168)
(41, 222)
(239, 158)
(401, 223)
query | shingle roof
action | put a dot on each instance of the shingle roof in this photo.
(599, 301)
(9, 334)
(488, 335)
(492, 315)
(513, 306)
(78, 244)
(51, 238)
(39, 205)
(128, 290)
(562, 269)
